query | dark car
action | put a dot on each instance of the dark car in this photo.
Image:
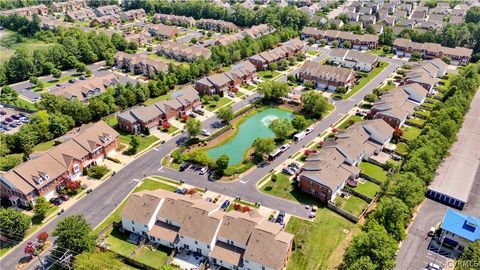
(181, 190)
(4, 123)
(64, 197)
(72, 80)
(22, 114)
(7, 128)
(56, 201)
(16, 117)
(8, 119)
(82, 78)
(13, 125)
(225, 205)
(184, 167)
(3, 112)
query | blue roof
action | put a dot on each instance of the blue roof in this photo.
(465, 226)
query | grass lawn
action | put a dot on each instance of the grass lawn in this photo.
(365, 80)
(145, 141)
(155, 258)
(267, 75)
(111, 120)
(312, 53)
(170, 130)
(118, 243)
(213, 105)
(402, 148)
(250, 87)
(418, 121)
(368, 189)
(350, 121)
(388, 87)
(374, 171)
(155, 56)
(353, 204)
(8, 45)
(286, 189)
(239, 94)
(315, 242)
(60, 80)
(423, 113)
(23, 103)
(411, 133)
(153, 100)
(380, 51)
(44, 146)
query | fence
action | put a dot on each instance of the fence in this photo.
(371, 179)
(16, 108)
(360, 195)
(344, 213)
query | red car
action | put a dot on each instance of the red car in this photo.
(64, 197)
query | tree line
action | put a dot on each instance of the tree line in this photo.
(375, 247)
(273, 14)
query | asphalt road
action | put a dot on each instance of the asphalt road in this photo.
(97, 205)
(413, 252)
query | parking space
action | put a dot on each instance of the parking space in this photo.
(201, 171)
(11, 120)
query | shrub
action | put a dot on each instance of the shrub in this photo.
(97, 171)
(274, 178)
(116, 160)
(216, 97)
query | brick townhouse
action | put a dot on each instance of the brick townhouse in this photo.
(42, 176)
(138, 119)
(405, 48)
(396, 106)
(169, 19)
(427, 74)
(231, 240)
(70, 5)
(27, 11)
(359, 42)
(285, 50)
(182, 52)
(242, 72)
(162, 30)
(325, 173)
(133, 14)
(139, 63)
(217, 25)
(84, 90)
(107, 10)
(80, 15)
(354, 59)
(254, 32)
(326, 76)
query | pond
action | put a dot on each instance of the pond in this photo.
(253, 127)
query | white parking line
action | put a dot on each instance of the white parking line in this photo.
(155, 149)
(243, 182)
(135, 180)
(159, 169)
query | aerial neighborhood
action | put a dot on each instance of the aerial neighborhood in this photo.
(243, 135)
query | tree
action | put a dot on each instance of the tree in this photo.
(374, 243)
(371, 30)
(393, 215)
(194, 127)
(263, 146)
(473, 15)
(347, 44)
(364, 263)
(56, 73)
(371, 97)
(272, 67)
(416, 56)
(80, 67)
(222, 163)
(314, 103)
(408, 188)
(299, 122)
(40, 209)
(282, 128)
(226, 114)
(194, 40)
(13, 224)
(470, 257)
(386, 49)
(74, 233)
(8, 95)
(387, 37)
(431, 3)
(97, 261)
(273, 90)
(134, 144)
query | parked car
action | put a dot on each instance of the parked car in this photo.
(396, 157)
(82, 78)
(72, 80)
(200, 112)
(13, 125)
(64, 197)
(4, 122)
(181, 190)
(203, 170)
(280, 217)
(7, 128)
(208, 199)
(59, 85)
(2, 112)
(192, 114)
(288, 171)
(8, 119)
(206, 132)
(56, 201)
(184, 166)
(312, 215)
(23, 114)
(14, 116)
(295, 165)
(231, 94)
(432, 266)
(225, 205)
(284, 147)
(361, 113)
(308, 130)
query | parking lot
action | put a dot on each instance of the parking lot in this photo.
(11, 120)
(201, 171)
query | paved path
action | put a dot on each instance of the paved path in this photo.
(413, 253)
(102, 201)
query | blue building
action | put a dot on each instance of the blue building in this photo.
(458, 230)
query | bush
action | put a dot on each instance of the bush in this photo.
(97, 171)
(216, 97)
(116, 160)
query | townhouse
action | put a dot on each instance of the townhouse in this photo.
(70, 5)
(459, 230)
(325, 173)
(326, 76)
(84, 90)
(359, 42)
(242, 72)
(169, 19)
(139, 63)
(141, 38)
(426, 74)
(82, 15)
(87, 145)
(399, 104)
(139, 119)
(182, 52)
(133, 15)
(107, 20)
(107, 10)
(231, 240)
(405, 48)
(254, 32)
(285, 50)
(162, 30)
(354, 59)
(217, 25)
(27, 11)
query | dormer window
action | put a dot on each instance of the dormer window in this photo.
(37, 180)
(46, 177)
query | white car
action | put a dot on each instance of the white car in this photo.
(308, 130)
(203, 170)
(231, 94)
(205, 132)
(284, 147)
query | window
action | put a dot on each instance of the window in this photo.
(208, 246)
(133, 222)
(46, 177)
(133, 229)
(196, 242)
(145, 226)
(75, 168)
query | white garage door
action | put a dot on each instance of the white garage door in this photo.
(50, 195)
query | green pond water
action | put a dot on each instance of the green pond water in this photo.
(253, 127)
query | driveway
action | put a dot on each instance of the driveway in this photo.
(96, 206)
